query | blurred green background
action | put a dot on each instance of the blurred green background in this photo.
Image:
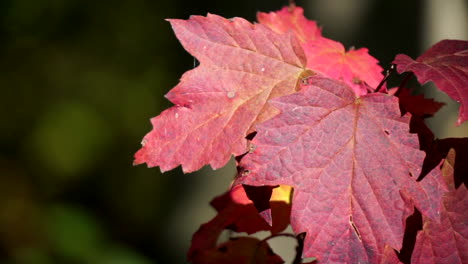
(80, 80)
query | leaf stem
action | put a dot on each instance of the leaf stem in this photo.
(388, 72)
(404, 83)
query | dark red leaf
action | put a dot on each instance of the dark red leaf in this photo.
(446, 64)
(425, 135)
(260, 197)
(446, 241)
(413, 226)
(218, 103)
(353, 165)
(236, 212)
(417, 105)
(240, 250)
(439, 150)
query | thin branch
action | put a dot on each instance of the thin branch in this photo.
(388, 72)
(404, 83)
(300, 244)
(278, 235)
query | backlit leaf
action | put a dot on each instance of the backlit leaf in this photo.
(291, 19)
(329, 57)
(446, 64)
(446, 241)
(355, 66)
(218, 103)
(236, 212)
(353, 165)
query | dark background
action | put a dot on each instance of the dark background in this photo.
(80, 80)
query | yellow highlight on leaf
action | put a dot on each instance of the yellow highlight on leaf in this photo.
(282, 193)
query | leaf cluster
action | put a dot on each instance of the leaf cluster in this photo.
(320, 141)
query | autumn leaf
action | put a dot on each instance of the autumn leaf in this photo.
(355, 66)
(273, 203)
(353, 165)
(389, 256)
(218, 103)
(299, 112)
(446, 64)
(436, 149)
(421, 108)
(237, 212)
(439, 149)
(291, 18)
(239, 250)
(417, 105)
(446, 241)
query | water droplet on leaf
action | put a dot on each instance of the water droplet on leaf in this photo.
(305, 81)
(252, 148)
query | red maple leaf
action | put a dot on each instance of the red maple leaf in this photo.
(291, 18)
(217, 104)
(329, 57)
(347, 152)
(446, 241)
(389, 256)
(353, 165)
(355, 66)
(446, 64)
(437, 150)
(460, 145)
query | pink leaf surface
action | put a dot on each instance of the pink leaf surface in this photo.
(329, 57)
(446, 241)
(355, 67)
(353, 165)
(218, 103)
(389, 256)
(446, 64)
(291, 19)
